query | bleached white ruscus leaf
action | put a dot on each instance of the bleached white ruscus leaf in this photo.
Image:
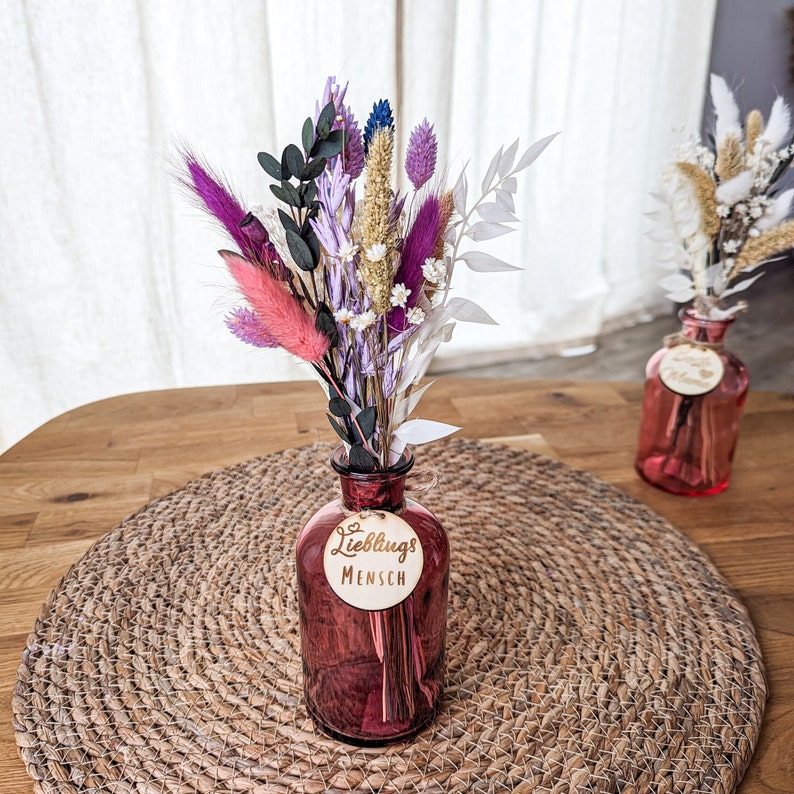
(485, 263)
(469, 312)
(504, 198)
(460, 193)
(741, 286)
(483, 230)
(492, 169)
(491, 211)
(534, 151)
(418, 431)
(679, 287)
(423, 431)
(508, 158)
(404, 405)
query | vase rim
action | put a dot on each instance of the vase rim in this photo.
(688, 314)
(339, 463)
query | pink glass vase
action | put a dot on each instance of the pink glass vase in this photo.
(694, 395)
(373, 570)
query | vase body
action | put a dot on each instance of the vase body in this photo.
(694, 395)
(372, 570)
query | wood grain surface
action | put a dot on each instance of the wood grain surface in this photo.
(76, 477)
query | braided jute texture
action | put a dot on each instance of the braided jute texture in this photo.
(591, 647)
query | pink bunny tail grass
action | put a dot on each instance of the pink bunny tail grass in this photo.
(286, 321)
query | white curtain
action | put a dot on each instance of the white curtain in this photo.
(110, 281)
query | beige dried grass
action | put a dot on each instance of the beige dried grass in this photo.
(759, 249)
(705, 188)
(375, 225)
(753, 127)
(730, 158)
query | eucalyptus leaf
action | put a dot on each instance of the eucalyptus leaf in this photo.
(287, 222)
(300, 251)
(366, 421)
(293, 198)
(326, 120)
(313, 169)
(285, 169)
(324, 322)
(510, 184)
(360, 459)
(339, 407)
(307, 135)
(312, 243)
(270, 164)
(487, 231)
(279, 193)
(328, 147)
(340, 431)
(310, 193)
(295, 160)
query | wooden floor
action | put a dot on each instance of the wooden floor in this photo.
(762, 337)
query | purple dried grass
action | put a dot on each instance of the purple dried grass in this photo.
(419, 244)
(211, 193)
(248, 327)
(420, 157)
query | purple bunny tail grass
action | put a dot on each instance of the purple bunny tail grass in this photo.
(249, 328)
(213, 195)
(420, 157)
(419, 244)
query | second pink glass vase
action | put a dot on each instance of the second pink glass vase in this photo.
(373, 570)
(694, 395)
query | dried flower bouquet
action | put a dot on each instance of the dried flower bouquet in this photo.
(721, 216)
(356, 285)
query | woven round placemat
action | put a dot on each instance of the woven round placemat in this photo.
(591, 647)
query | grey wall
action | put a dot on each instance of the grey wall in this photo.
(751, 50)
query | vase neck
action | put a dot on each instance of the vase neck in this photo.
(375, 490)
(698, 329)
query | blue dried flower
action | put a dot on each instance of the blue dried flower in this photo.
(380, 118)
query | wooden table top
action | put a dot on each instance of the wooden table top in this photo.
(77, 476)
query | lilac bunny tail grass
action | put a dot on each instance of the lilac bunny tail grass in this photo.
(211, 193)
(354, 150)
(420, 157)
(249, 328)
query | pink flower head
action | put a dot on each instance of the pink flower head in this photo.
(289, 325)
(420, 158)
